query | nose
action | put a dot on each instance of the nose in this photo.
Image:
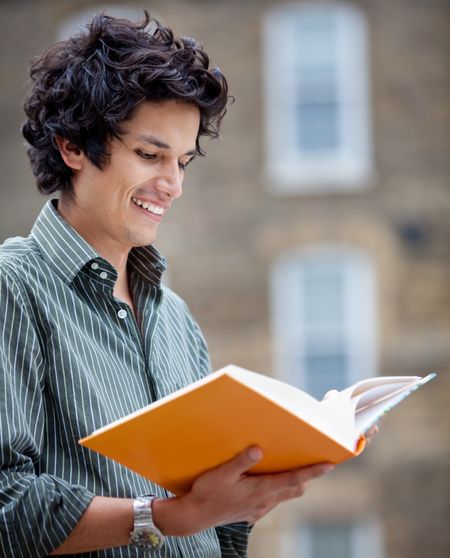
(170, 180)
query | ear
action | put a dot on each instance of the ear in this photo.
(71, 153)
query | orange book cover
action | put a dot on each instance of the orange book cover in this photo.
(175, 439)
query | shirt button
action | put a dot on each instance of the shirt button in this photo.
(103, 275)
(122, 314)
(94, 265)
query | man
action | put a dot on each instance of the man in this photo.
(88, 333)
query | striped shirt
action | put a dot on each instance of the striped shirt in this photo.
(73, 359)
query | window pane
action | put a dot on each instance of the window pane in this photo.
(324, 358)
(318, 126)
(331, 541)
(317, 107)
(323, 294)
(317, 84)
(316, 38)
(324, 372)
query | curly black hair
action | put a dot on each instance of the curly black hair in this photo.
(85, 87)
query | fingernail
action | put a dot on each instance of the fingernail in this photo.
(327, 468)
(255, 453)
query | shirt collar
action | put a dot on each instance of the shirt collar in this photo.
(147, 262)
(68, 253)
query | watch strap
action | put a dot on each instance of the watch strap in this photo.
(145, 533)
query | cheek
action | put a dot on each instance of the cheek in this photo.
(135, 175)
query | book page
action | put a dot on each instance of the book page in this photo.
(339, 426)
(371, 399)
(368, 415)
(378, 394)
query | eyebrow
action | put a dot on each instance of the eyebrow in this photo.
(153, 140)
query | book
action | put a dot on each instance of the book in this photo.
(173, 440)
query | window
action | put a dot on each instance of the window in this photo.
(343, 539)
(323, 313)
(316, 74)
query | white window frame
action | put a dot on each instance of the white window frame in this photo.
(349, 167)
(286, 303)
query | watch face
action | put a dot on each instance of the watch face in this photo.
(147, 539)
(154, 539)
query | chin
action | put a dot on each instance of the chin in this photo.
(139, 242)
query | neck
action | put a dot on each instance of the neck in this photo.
(112, 252)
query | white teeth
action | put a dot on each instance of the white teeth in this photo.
(156, 209)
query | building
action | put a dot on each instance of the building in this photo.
(313, 242)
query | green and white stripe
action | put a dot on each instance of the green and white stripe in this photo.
(72, 360)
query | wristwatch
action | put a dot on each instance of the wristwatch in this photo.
(145, 533)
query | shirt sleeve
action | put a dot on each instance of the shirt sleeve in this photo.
(38, 511)
(233, 539)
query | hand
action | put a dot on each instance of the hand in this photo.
(330, 393)
(371, 433)
(228, 494)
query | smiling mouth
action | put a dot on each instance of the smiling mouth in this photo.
(150, 207)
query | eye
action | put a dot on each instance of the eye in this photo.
(145, 155)
(184, 165)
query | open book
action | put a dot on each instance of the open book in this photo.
(176, 438)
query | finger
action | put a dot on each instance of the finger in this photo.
(330, 393)
(314, 471)
(371, 433)
(373, 430)
(242, 462)
(297, 477)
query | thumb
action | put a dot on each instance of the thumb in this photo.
(242, 461)
(330, 394)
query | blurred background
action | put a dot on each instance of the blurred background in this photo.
(313, 242)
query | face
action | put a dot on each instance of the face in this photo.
(121, 206)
